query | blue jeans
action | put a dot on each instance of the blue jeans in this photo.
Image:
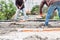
(18, 12)
(51, 10)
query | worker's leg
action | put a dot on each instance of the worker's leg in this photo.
(49, 13)
(16, 14)
(24, 13)
(58, 7)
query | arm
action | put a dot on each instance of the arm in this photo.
(16, 3)
(19, 6)
(49, 2)
(41, 6)
(22, 3)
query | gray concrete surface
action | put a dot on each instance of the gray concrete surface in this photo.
(6, 27)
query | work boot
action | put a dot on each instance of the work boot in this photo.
(39, 17)
(24, 19)
(45, 26)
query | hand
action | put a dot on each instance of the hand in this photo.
(19, 7)
(41, 14)
(24, 0)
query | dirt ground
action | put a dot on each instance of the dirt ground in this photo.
(6, 27)
(9, 30)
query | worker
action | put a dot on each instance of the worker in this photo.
(53, 5)
(20, 7)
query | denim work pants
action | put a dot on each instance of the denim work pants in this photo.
(51, 9)
(18, 12)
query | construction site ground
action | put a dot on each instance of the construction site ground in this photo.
(12, 30)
